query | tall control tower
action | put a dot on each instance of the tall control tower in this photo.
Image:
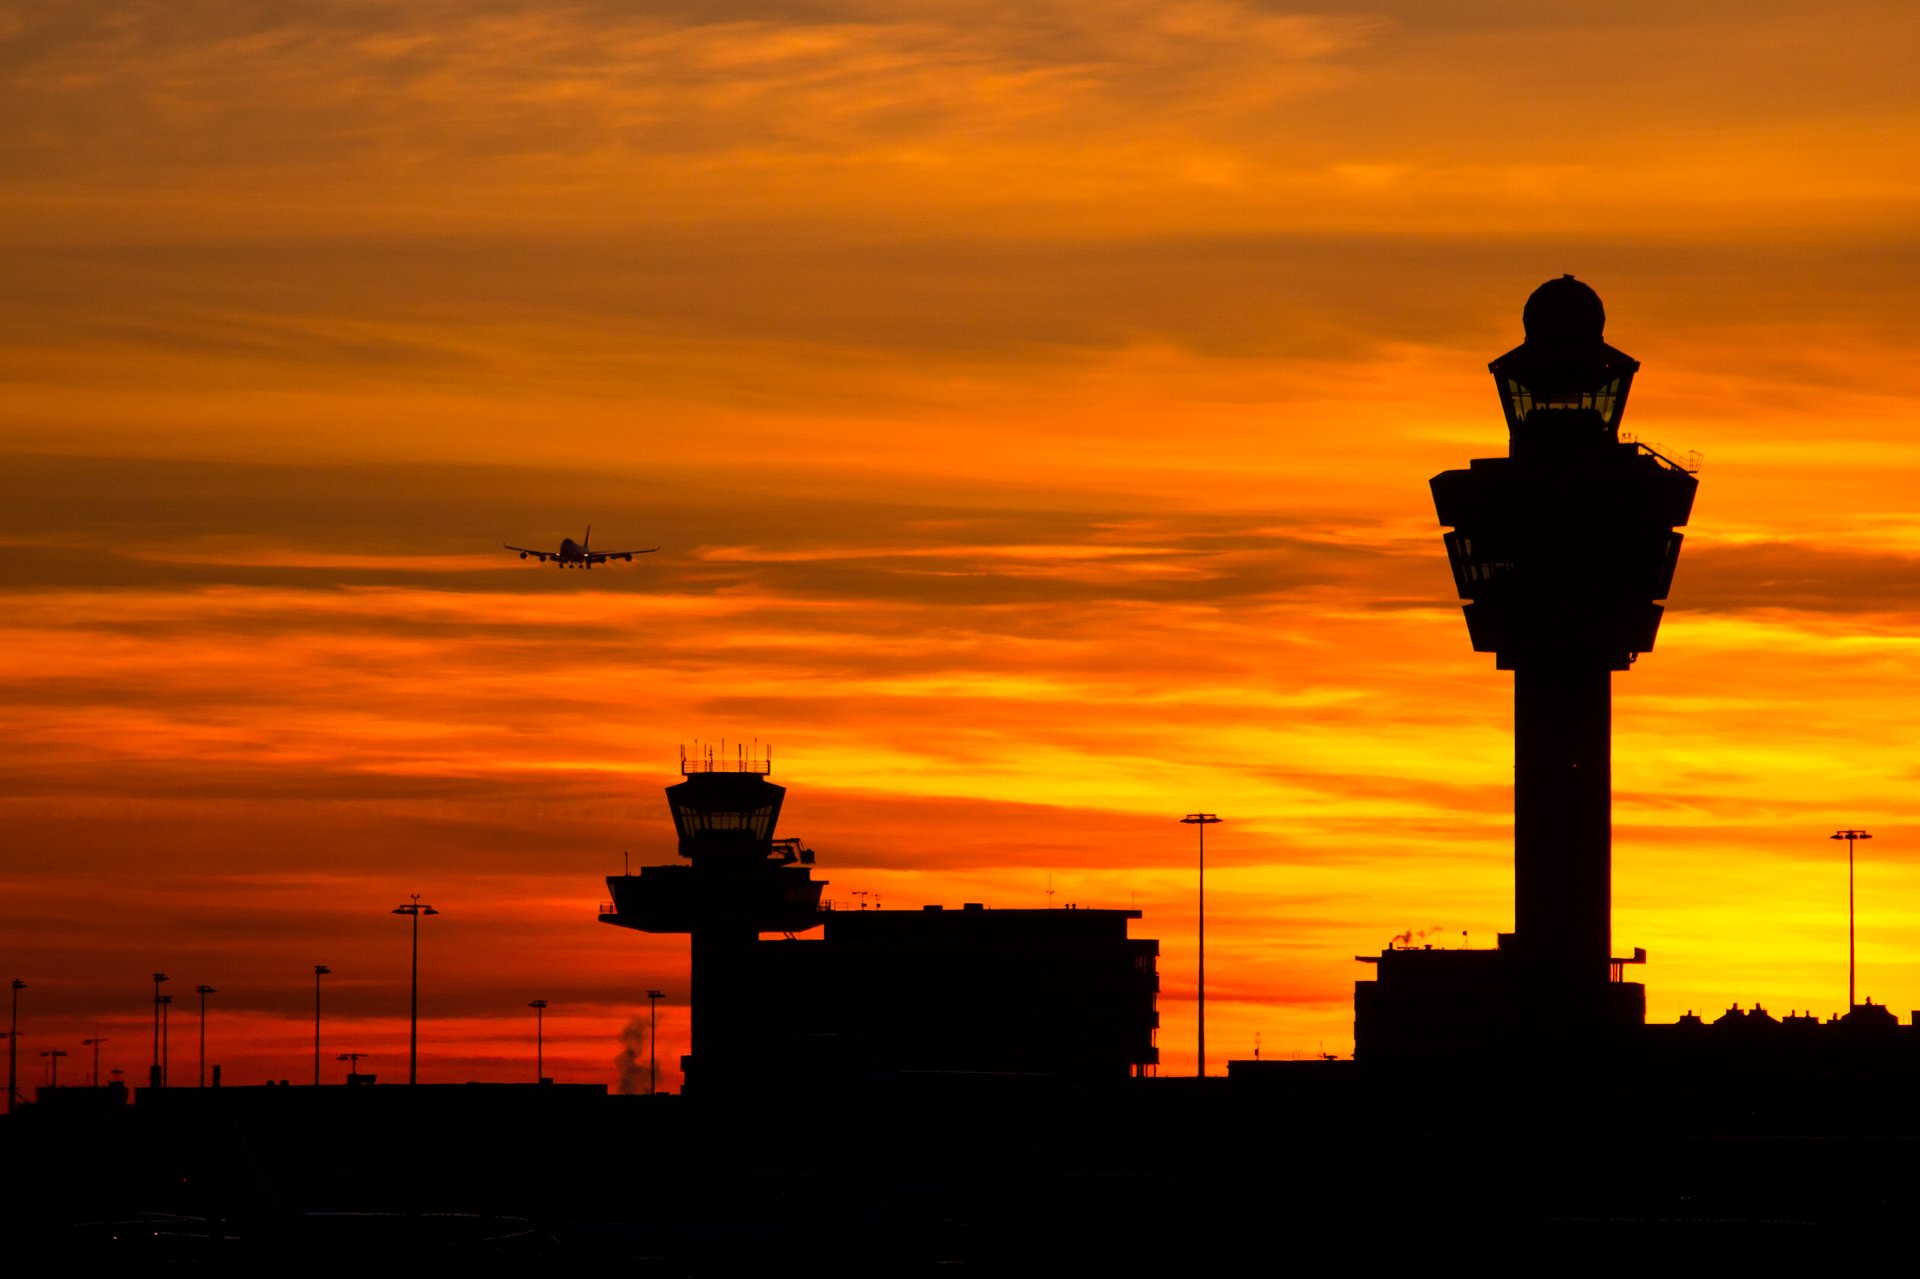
(1564, 549)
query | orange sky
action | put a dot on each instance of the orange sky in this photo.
(1035, 406)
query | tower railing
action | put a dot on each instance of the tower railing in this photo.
(706, 760)
(1691, 464)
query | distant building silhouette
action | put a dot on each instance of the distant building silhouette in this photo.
(1058, 992)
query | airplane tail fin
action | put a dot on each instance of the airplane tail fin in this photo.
(587, 542)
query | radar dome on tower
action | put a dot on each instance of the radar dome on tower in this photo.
(1564, 311)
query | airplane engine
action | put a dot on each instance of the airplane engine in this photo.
(523, 555)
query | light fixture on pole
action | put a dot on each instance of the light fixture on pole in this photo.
(539, 1007)
(1202, 820)
(154, 1074)
(95, 1045)
(415, 909)
(166, 1038)
(319, 971)
(653, 1037)
(1850, 836)
(203, 992)
(53, 1056)
(13, 1048)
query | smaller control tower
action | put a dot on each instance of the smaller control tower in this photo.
(738, 881)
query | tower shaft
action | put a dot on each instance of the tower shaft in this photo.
(1563, 820)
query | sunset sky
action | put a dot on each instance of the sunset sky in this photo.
(1034, 404)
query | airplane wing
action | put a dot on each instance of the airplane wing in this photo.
(601, 557)
(542, 556)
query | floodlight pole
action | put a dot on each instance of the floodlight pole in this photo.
(95, 1045)
(53, 1056)
(13, 1048)
(319, 971)
(203, 992)
(154, 1077)
(415, 909)
(1850, 836)
(1202, 820)
(166, 1038)
(539, 1007)
(653, 1035)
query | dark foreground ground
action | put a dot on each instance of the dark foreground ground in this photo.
(1304, 1167)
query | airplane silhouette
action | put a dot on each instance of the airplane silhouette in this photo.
(579, 554)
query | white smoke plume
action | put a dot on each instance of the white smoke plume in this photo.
(632, 1060)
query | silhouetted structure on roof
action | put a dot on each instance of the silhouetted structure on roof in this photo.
(1056, 992)
(1563, 550)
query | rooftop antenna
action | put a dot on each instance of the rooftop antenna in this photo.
(626, 861)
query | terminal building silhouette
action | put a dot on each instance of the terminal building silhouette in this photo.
(1044, 992)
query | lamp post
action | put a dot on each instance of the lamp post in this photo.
(415, 909)
(13, 1048)
(653, 1038)
(166, 1038)
(539, 1007)
(154, 1074)
(1850, 836)
(1202, 820)
(53, 1056)
(95, 1045)
(203, 992)
(319, 971)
